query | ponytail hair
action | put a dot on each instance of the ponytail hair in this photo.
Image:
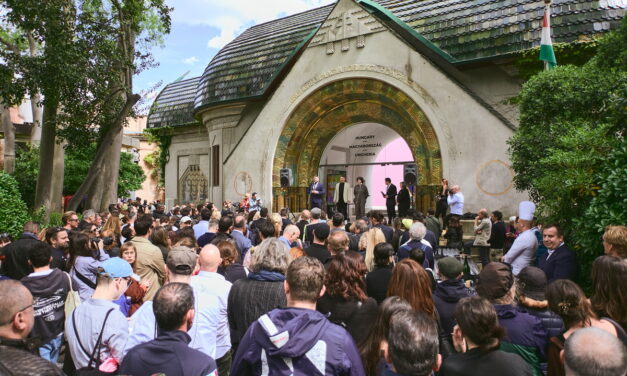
(568, 300)
(479, 323)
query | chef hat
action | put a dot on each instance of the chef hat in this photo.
(526, 210)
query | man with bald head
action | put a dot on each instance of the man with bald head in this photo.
(290, 235)
(17, 354)
(209, 282)
(592, 351)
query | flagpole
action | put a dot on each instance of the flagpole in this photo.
(547, 6)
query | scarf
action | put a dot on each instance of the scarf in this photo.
(265, 275)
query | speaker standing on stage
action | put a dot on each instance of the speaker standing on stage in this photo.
(342, 196)
(316, 193)
(404, 200)
(390, 199)
(360, 192)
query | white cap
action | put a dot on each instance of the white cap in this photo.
(185, 219)
(526, 210)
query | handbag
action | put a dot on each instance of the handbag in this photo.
(94, 357)
(72, 300)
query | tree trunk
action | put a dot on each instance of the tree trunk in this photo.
(56, 203)
(35, 135)
(43, 192)
(112, 175)
(9, 140)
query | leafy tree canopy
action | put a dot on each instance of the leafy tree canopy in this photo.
(569, 151)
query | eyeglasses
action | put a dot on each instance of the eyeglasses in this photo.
(15, 314)
(73, 220)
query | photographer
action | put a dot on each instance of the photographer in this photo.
(86, 255)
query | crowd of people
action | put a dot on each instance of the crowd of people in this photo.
(237, 290)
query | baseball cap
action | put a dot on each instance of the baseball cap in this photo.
(181, 260)
(116, 267)
(495, 280)
(450, 267)
(533, 282)
(185, 219)
(321, 231)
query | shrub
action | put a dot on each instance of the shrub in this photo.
(13, 211)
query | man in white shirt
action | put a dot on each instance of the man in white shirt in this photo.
(455, 200)
(203, 225)
(209, 282)
(523, 251)
(180, 265)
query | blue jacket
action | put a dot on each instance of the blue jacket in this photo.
(445, 296)
(168, 354)
(561, 265)
(242, 243)
(296, 341)
(403, 252)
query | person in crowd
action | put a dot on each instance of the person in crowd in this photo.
(202, 226)
(16, 321)
(530, 295)
(180, 265)
(58, 239)
(477, 337)
(303, 220)
(264, 231)
(86, 255)
(69, 219)
(169, 353)
(390, 198)
(482, 229)
(441, 205)
(429, 238)
(345, 301)
(378, 279)
(261, 291)
(136, 290)
(418, 255)
(526, 335)
(417, 232)
(5, 239)
(186, 221)
(372, 238)
(318, 249)
(230, 267)
(449, 291)
(242, 242)
(398, 228)
(315, 191)
(592, 352)
(149, 264)
(411, 282)
(337, 243)
(615, 241)
(315, 221)
(159, 237)
(208, 236)
(559, 262)
(455, 202)
(511, 233)
(337, 222)
(568, 300)
(523, 250)
(49, 288)
(225, 225)
(15, 264)
(411, 347)
(114, 225)
(290, 236)
(89, 218)
(342, 196)
(360, 195)
(432, 223)
(255, 202)
(377, 219)
(454, 233)
(308, 342)
(356, 231)
(209, 281)
(245, 203)
(370, 347)
(96, 330)
(497, 236)
(609, 298)
(403, 199)
(186, 238)
(109, 244)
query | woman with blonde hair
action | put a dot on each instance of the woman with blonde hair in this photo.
(113, 224)
(277, 222)
(373, 237)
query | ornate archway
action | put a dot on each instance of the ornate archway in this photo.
(315, 121)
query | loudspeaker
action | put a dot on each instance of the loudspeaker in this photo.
(410, 173)
(285, 177)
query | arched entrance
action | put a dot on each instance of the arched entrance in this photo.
(340, 104)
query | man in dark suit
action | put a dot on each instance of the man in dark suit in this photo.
(390, 198)
(559, 262)
(316, 193)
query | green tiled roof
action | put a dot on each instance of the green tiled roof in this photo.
(476, 29)
(174, 105)
(459, 30)
(246, 67)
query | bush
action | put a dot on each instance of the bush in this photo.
(13, 211)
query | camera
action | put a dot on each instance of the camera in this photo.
(107, 240)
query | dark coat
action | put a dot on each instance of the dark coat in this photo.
(388, 232)
(551, 321)
(477, 363)
(445, 296)
(561, 265)
(497, 235)
(355, 316)
(377, 282)
(15, 264)
(318, 251)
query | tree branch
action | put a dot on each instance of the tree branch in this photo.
(12, 46)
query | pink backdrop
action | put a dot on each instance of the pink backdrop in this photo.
(395, 151)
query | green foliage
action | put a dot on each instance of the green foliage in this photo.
(569, 151)
(13, 211)
(574, 53)
(163, 138)
(77, 163)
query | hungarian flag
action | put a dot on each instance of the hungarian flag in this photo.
(546, 46)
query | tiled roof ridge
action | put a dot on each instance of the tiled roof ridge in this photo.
(295, 15)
